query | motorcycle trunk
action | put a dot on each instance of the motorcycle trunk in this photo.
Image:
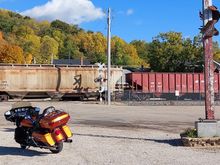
(56, 124)
(54, 119)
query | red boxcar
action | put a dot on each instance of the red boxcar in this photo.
(181, 83)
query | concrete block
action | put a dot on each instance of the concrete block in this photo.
(218, 128)
(208, 128)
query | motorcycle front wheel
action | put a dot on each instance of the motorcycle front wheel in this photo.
(58, 148)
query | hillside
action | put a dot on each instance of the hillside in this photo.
(40, 41)
(26, 40)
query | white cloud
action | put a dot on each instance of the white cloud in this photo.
(129, 12)
(70, 11)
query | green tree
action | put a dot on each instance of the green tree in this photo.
(142, 48)
(70, 49)
(6, 23)
(22, 31)
(44, 28)
(216, 50)
(48, 50)
(60, 25)
(31, 45)
(169, 52)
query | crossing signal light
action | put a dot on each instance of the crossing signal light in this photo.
(215, 13)
(208, 30)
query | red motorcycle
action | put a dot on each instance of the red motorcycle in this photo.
(47, 130)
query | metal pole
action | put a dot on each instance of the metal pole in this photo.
(109, 57)
(209, 66)
(51, 62)
(69, 58)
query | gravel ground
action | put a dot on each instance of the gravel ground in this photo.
(115, 135)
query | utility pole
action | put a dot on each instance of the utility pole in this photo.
(208, 30)
(109, 57)
(69, 57)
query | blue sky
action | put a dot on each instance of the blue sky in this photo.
(131, 19)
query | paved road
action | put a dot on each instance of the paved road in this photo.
(166, 118)
(115, 135)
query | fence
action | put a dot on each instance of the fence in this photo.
(132, 97)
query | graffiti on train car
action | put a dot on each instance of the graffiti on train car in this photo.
(78, 82)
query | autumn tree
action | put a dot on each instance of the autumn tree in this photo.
(11, 54)
(26, 38)
(124, 53)
(92, 46)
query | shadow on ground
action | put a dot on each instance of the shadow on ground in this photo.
(20, 152)
(172, 126)
(172, 142)
(8, 129)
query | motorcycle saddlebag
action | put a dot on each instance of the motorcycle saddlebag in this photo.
(43, 137)
(54, 119)
(67, 132)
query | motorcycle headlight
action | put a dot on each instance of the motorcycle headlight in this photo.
(7, 113)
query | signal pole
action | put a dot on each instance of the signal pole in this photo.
(208, 27)
(109, 57)
(210, 16)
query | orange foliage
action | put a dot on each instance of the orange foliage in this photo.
(10, 53)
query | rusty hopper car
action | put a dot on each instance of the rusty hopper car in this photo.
(54, 81)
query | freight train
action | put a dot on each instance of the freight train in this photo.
(54, 81)
(86, 81)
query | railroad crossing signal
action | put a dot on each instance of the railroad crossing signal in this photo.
(210, 16)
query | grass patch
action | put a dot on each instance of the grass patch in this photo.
(189, 132)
